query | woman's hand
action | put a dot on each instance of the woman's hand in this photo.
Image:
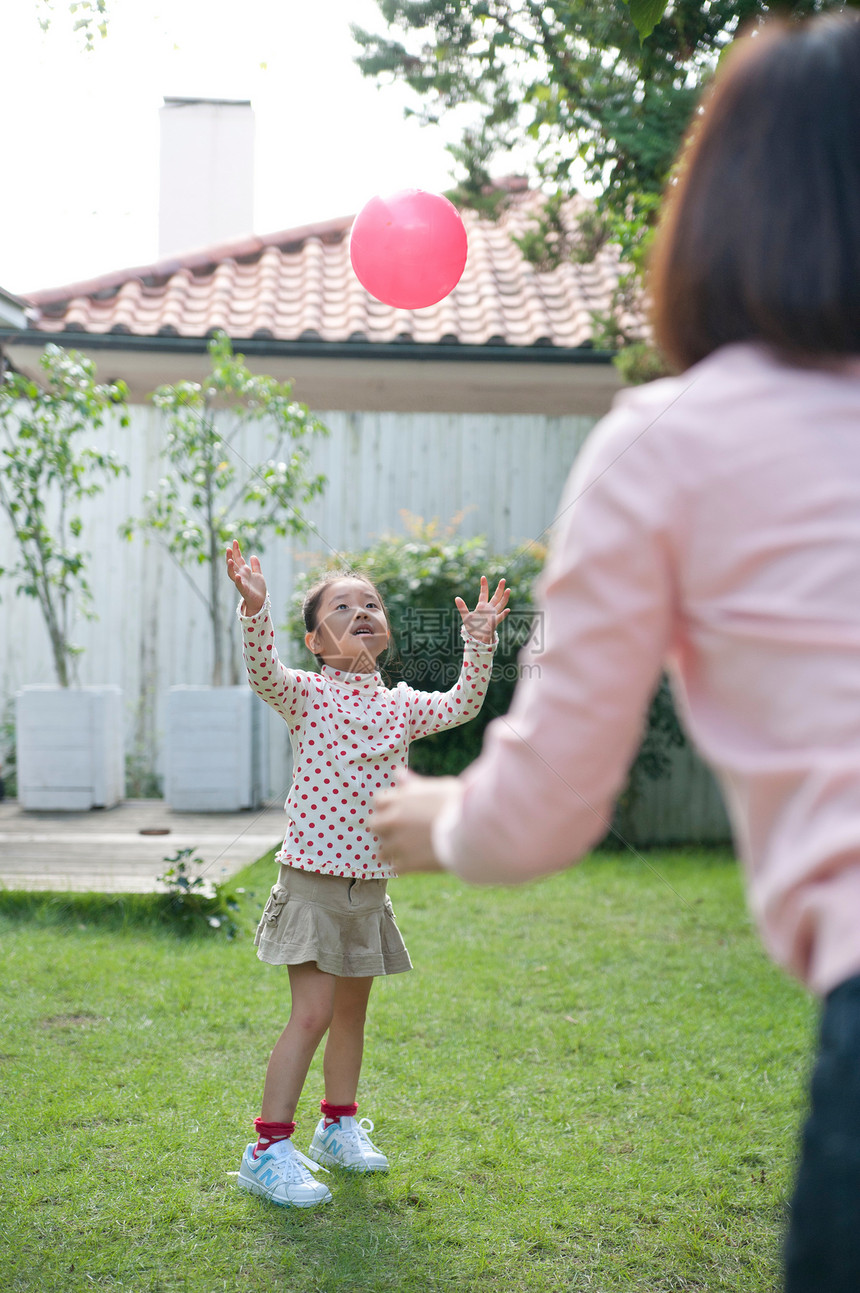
(402, 819)
(248, 578)
(489, 612)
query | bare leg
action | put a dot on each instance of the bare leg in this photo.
(345, 1045)
(313, 995)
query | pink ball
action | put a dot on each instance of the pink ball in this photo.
(408, 250)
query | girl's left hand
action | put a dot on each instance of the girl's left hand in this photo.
(489, 612)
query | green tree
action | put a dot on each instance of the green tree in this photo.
(89, 17)
(569, 76)
(574, 82)
(45, 474)
(210, 494)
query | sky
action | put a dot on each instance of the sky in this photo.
(81, 129)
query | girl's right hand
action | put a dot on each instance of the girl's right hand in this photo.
(248, 578)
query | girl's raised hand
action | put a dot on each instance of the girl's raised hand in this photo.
(489, 611)
(248, 578)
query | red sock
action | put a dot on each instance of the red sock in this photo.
(334, 1112)
(268, 1133)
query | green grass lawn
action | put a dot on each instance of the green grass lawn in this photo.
(593, 1083)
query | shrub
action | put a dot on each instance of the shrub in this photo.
(8, 759)
(194, 902)
(419, 575)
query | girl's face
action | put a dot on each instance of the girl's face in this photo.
(351, 631)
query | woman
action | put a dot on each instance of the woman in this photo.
(712, 525)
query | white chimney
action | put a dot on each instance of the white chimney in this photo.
(207, 173)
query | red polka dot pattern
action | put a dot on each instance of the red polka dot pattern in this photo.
(350, 735)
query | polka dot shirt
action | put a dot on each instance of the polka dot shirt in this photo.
(350, 734)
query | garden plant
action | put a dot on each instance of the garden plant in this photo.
(49, 464)
(420, 573)
(211, 493)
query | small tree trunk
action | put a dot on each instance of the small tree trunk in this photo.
(215, 617)
(61, 662)
(56, 634)
(217, 647)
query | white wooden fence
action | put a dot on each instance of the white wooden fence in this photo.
(502, 475)
(684, 807)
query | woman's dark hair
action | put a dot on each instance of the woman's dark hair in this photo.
(760, 237)
(314, 595)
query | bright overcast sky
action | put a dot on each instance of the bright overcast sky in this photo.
(80, 143)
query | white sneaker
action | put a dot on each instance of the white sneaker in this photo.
(281, 1173)
(347, 1144)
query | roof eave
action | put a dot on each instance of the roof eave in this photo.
(315, 348)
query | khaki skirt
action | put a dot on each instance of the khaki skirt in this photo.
(346, 926)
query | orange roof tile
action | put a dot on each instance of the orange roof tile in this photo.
(299, 285)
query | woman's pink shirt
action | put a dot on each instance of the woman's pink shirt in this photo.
(711, 525)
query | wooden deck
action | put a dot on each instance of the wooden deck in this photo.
(123, 849)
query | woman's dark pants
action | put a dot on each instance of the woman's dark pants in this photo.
(823, 1244)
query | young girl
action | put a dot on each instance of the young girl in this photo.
(328, 918)
(713, 521)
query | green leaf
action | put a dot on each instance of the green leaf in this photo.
(646, 14)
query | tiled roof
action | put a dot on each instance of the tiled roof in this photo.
(298, 285)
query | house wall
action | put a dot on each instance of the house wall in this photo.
(353, 382)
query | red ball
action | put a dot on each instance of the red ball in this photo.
(408, 250)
